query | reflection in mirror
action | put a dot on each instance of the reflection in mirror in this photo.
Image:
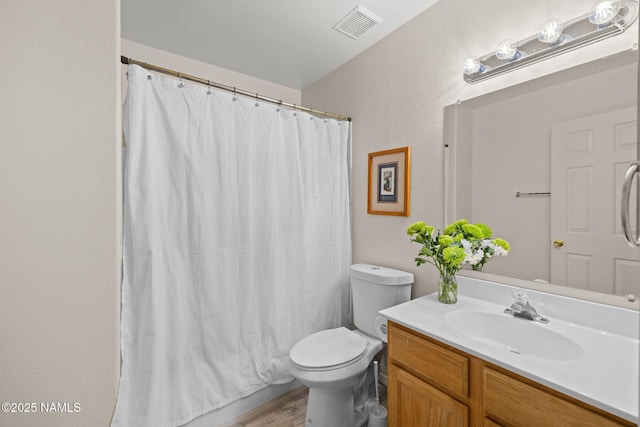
(571, 134)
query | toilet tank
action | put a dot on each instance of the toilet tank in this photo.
(374, 288)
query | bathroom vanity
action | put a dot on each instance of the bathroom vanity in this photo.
(472, 364)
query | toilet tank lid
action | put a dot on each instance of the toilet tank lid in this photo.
(381, 275)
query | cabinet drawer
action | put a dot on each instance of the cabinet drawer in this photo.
(516, 403)
(441, 367)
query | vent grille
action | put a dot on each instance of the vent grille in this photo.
(357, 22)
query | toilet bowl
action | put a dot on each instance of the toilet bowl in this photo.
(333, 363)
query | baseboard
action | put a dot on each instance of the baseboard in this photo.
(232, 410)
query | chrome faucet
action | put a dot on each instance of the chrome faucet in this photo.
(522, 308)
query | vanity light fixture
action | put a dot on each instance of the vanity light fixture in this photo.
(508, 50)
(606, 19)
(551, 32)
(604, 12)
(473, 66)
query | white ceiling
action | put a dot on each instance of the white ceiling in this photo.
(289, 42)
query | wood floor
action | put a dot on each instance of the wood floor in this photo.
(287, 410)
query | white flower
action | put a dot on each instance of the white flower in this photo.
(499, 250)
(474, 258)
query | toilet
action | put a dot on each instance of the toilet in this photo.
(333, 362)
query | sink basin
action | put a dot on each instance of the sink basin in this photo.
(519, 336)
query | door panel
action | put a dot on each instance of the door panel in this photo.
(589, 157)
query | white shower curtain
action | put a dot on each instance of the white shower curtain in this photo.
(236, 245)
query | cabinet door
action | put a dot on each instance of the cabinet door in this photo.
(517, 404)
(415, 403)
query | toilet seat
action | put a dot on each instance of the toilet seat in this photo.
(328, 349)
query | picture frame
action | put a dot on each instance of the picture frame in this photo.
(389, 182)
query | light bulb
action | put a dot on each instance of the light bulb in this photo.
(604, 12)
(473, 66)
(507, 50)
(551, 32)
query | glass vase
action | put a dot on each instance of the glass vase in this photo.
(448, 289)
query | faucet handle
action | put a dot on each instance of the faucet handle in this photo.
(520, 295)
(522, 308)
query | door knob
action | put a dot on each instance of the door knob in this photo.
(558, 243)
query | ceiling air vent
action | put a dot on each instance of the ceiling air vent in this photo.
(357, 22)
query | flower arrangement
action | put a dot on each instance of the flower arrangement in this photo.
(460, 243)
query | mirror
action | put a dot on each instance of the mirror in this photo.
(504, 168)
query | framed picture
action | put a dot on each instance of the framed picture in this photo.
(389, 173)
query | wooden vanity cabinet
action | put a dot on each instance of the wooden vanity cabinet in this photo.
(433, 384)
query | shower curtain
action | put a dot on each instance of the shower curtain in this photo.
(236, 245)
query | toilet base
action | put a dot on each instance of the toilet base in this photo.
(330, 408)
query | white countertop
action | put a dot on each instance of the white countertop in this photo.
(605, 376)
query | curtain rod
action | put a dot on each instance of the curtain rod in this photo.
(129, 61)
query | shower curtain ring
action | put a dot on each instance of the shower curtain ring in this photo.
(234, 94)
(208, 87)
(180, 77)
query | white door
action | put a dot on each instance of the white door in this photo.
(589, 158)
